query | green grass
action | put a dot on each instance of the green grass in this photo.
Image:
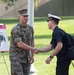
(42, 38)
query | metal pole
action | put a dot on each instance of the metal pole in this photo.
(5, 63)
(31, 12)
(31, 23)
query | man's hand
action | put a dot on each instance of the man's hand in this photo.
(36, 50)
(31, 59)
(48, 60)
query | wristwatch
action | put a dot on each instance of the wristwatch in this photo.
(51, 56)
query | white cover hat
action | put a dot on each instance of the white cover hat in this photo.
(53, 16)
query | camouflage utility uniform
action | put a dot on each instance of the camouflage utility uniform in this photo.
(19, 58)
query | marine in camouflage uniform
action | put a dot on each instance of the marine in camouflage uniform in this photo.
(20, 58)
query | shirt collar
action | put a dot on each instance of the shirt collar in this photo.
(55, 28)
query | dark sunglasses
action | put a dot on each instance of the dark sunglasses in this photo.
(25, 16)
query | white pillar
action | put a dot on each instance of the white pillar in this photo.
(31, 12)
(31, 23)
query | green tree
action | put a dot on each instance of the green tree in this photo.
(8, 0)
(11, 2)
(36, 2)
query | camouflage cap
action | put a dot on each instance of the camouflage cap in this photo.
(23, 12)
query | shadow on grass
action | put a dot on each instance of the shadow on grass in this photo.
(67, 18)
(9, 37)
(37, 37)
(37, 19)
(9, 21)
(42, 36)
(6, 53)
(40, 19)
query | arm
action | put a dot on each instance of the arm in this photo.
(57, 49)
(47, 48)
(32, 43)
(32, 54)
(24, 46)
(55, 52)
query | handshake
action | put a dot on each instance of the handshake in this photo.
(36, 50)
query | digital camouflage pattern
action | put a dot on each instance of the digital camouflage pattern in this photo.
(17, 55)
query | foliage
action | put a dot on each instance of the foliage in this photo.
(4, 0)
(9, 2)
(12, 2)
(36, 2)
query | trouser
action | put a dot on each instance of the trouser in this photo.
(20, 68)
(63, 66)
